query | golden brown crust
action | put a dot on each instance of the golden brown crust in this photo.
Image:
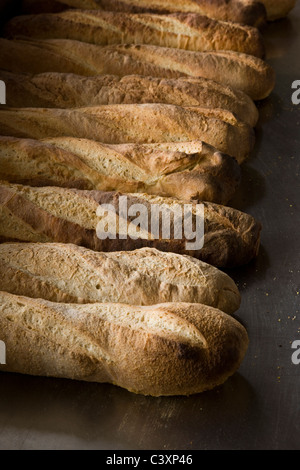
(71, 274)
(59, 90)
(240, 11)
(188, 171)
(244, 72)
(231, 237)
(137, 123)
(180, 30)
(166, 349)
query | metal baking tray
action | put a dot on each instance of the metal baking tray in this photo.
(259, 407)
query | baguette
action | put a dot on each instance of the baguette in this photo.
(247, 12)
(41, 91)
(47, 214)
(137, 123)
(244, 72)
(71, 274)
(166, 349)
(180, 30)
(187, 171)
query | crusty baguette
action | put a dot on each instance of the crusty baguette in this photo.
(244, 72)
(166, 349)
(41, 91)
(136, 123)
(247, 11)
(187, 170)
(241, 11)
(48, 214)
(72, 274)
(187, 31)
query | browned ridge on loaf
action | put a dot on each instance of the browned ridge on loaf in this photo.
(184, 170)
(136, 123)
(63, 90)
(244, 72)
(68, 273)
(239, 11)
(53, 214)
(180, 30)
(165, 349)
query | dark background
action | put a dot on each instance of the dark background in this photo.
(259, 407)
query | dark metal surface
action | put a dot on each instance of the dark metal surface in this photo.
(259, 407)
